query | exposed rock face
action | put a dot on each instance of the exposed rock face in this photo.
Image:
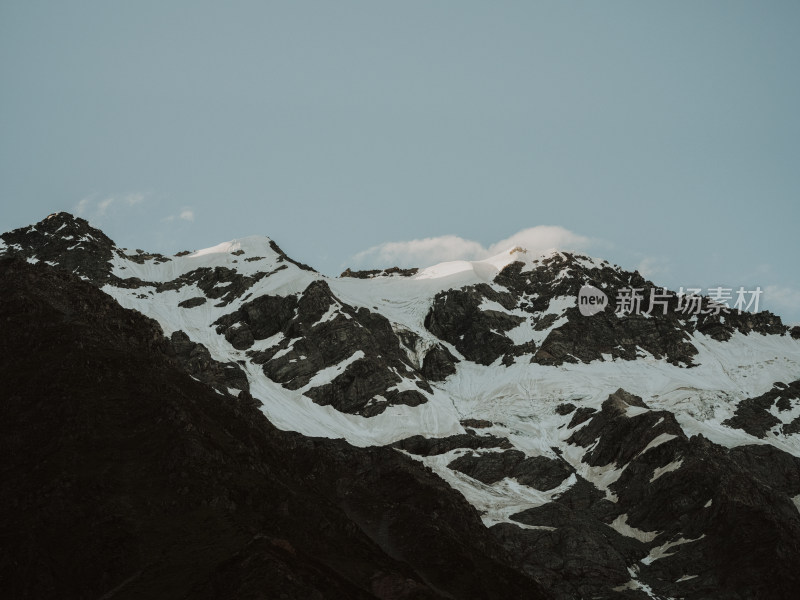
(606, 429)
(763, 322)
(571, 551)
(197, 361)
(257, 319)
(218, 283)
(438, 364)
(565, 408)
(478, 319)
(193, 302)
(670, 491)
(581, 415)
(318, 332)
(462, 318)
(587, 339)
(423, 446)
(476, 423)
(457, 317)
(753, 414)
(67, 242)
(115, 484)
(284, 257)
(538, 472)
(372, 273)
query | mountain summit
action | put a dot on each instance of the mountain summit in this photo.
(651, 451)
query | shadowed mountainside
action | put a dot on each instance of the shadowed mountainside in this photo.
(124, 477)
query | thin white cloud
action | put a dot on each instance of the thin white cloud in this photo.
(91, 207)
(429, 251)
(421, 252)
(653, 267)
(541, 239)
(103, 205)
(186, 214)
(82, 207)
(135, 198)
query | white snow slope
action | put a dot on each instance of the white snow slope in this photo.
(518, 399)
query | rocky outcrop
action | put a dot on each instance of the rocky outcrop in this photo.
(66, 242)
(372, 273)
(282, 256)
(476, 423)
(70, 244)
(570, 549)
(197, 361)
(438, 364)
(456, 317)
(753, 414)
(477, 319)
(606, 430)
(257, 319)
(317, 332)
(539, 472)
(422, 446)
(365, 388)
(587, 339)
(218, 283)
(193, 302)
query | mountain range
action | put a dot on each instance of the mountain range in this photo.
(230, 423)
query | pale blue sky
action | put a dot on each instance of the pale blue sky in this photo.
(660, 134)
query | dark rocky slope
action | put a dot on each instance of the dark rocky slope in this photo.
(728, 512)
(124, 477)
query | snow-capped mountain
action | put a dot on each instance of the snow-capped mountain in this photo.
(621, 454)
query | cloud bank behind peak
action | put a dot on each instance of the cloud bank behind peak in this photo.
(429, 251)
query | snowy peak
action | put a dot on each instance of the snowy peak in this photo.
(248, 256)
(71, 243)
(529, 311)
(254, 245)
(482, 270)
(476, 271)
(64, 241)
